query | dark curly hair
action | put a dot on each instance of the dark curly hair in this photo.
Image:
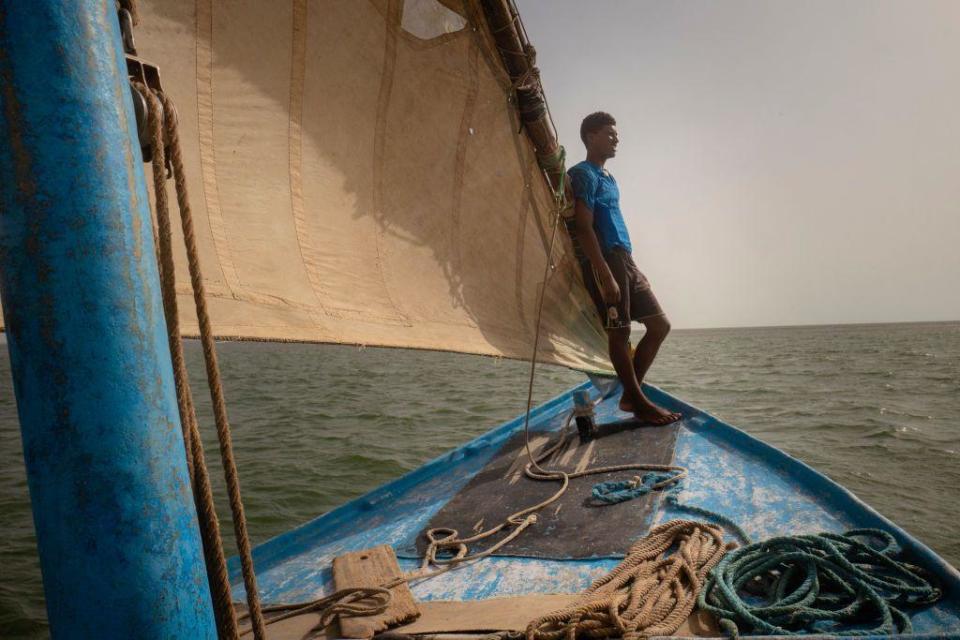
(594, 122)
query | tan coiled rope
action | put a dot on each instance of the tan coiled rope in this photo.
(165, 141)
(650, 593)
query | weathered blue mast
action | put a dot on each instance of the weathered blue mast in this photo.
(116, 526)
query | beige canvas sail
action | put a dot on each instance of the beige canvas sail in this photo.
(358, 175)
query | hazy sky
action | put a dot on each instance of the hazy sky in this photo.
(781, 161)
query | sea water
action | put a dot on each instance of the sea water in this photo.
(875, 407)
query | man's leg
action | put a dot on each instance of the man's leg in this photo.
(657, 329)
(619, 343)
(640, 406)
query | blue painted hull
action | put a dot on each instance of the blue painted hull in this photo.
(762, 489)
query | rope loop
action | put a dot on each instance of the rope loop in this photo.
(354, 602)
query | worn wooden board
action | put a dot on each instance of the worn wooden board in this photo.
(373, 568)
(474, 616)
(514, 614)
(495, 614)
(574, 527)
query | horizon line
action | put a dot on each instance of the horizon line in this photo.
(813, 324)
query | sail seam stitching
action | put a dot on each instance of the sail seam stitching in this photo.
(391, 21)
(298, 55)
(208, 162)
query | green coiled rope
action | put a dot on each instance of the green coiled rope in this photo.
(823, 583)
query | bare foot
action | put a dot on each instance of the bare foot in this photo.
(650, 413)
(658, 419)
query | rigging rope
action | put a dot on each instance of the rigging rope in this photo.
(166, 145)
(826, 583)
(221, 421)
(209, 525)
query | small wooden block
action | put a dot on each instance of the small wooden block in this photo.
(373, 568)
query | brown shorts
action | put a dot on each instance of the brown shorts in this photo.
(637, 301)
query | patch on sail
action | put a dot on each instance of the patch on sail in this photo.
(427, 19)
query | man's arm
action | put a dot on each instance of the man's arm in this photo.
(583, 219)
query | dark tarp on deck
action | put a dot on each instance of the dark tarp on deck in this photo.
(575, 526)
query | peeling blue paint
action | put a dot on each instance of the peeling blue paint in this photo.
(116, 527)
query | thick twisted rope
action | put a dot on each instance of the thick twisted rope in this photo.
(166, 144)
(824, 583)
(224, 438)
(216, 564)
(651, 593)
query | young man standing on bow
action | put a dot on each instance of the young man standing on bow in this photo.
(622, 294)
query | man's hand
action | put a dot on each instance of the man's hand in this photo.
(609, 288)
(583, 217)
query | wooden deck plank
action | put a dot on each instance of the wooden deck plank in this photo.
(474, 617)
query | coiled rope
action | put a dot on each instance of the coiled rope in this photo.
(672, 498)
(162, 122)
(617, 491)
(824, 583)
(650, 593)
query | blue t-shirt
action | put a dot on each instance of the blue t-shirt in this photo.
(599, 191)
